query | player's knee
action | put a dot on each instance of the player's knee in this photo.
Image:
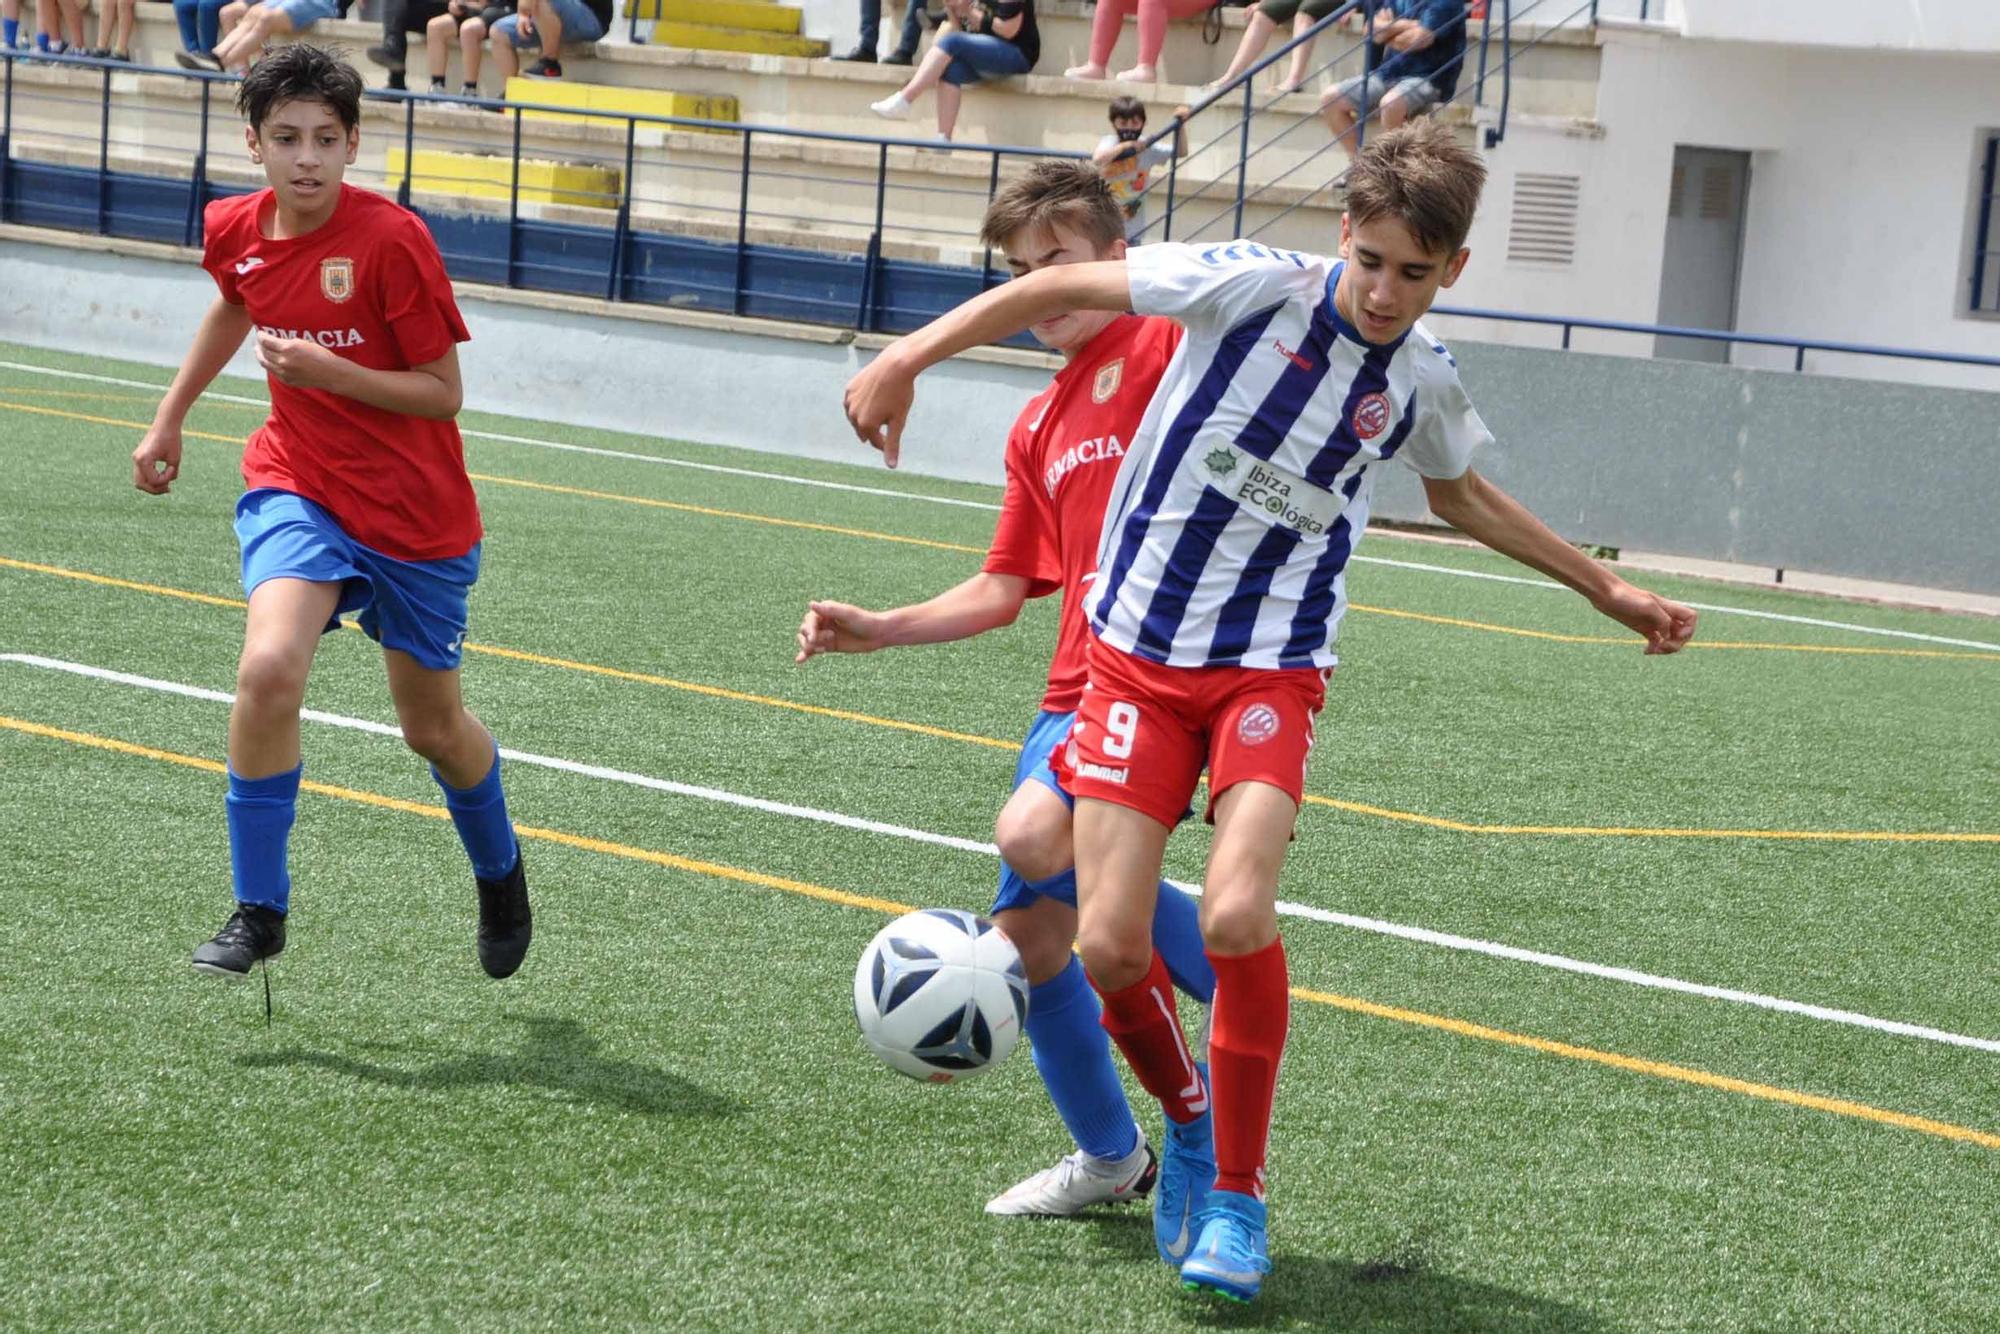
(1034, 842)
(271, 678)
(1114, 962)
(1043, 944)
(431, 734)
(1236, 924)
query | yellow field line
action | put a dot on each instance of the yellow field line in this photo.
(866, 534)
(996, 743)
(718, 870)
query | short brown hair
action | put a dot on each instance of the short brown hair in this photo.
(1423, 177)
(1055, 192)
(1127, 108)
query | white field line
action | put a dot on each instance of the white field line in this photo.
(983, 505)
(1420, 935)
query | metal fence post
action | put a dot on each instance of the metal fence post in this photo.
(1367, 73)
(1173, 179)
(864, 318)
(1499, 132)
(1984, 231)
(514, 208)
(104, 154)
(992, 188)
(198, 181)
(743, 227)
(410, 150)
(621, 230)
(7, 136)
(1243, 155)
(1486, 40)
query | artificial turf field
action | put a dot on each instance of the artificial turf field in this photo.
(666, 1118)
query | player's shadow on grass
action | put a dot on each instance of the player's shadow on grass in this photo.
(1399, 1292)
(558, 1056)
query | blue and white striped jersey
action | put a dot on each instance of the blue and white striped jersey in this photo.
(1247, 487)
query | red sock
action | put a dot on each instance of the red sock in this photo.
(1252, 1011)
(1142, 1020)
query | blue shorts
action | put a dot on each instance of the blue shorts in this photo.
(418, 607)
(1049, 731)
(303, 13)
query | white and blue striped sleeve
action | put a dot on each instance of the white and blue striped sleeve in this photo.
(1213, 288)
(1448, 430)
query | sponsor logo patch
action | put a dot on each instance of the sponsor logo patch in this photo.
(244, 266)
(1258, 724)
(1108, 379)
(1221, 462)
(1371, 414)
(1298, 359)
(336, 279)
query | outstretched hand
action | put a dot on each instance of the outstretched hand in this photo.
(1666, 626)
(878, 402)
(835, 627)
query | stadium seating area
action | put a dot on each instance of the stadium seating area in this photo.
(731, 59)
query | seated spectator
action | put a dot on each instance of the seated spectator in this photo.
(59, 25)
(1419, 49)
(1109, 21)
(1265, 21)
(247, 27)
(121, 15)
(469, 21)
(545, 23)
(915, 17)
(1126, 166)
(200, 24)
(400, 18)
(995, 39)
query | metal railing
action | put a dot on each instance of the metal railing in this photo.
(617, 253)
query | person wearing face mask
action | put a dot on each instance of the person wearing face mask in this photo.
(1127, 167)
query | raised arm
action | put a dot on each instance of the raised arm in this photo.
(1484, 512)
(983, 602)
(157, 460)
(878, 399)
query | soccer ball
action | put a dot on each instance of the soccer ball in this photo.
(941, 995)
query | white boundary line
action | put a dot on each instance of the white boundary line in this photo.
(982, 505)
(1420, 935)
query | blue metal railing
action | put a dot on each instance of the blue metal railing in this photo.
(616, 279)
(1983, 240)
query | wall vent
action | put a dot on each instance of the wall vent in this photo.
(1543, 227)
(1718, 194)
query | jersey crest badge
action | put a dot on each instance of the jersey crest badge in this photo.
(1371, 414)
(336, 279)
(1221, 462)
(1258, 724)
(1108, 380)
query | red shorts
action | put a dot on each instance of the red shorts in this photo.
(1143, 731)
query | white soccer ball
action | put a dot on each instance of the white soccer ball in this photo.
(941, 995)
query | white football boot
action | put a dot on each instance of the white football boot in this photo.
(1079, 1181)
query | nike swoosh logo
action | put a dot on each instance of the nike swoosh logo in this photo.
(1178, 1247)
(244, 266)
(1207, 1270)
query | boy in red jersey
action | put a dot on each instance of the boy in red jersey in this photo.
(1221, 586)
(357, 497)
(1061, 458)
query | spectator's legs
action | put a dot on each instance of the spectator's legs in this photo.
(1340, 117)
(1256, 36)
(184, 15)
(470, 34)
(437, 45)
(1105, 25)
(930, 71)
(871, 26)
(1394, 111)
(1153, 18)
(506, 55)
(549, 24)
(1301, 69)
(226, 19)
(207, 24)
(912, 35)
(949, 97)
(10, 23)
(247, 38)
(65, 21)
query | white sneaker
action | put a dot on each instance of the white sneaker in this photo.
(892, 107)
(1077, 1182)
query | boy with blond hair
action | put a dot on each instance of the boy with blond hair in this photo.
(1220, 589)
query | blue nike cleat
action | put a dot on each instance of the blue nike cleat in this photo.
(1229, 1257)
(1187, 1172)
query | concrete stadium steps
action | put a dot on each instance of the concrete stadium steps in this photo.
(758, 26)
(622, 101)
(455, 175)
(821, 194)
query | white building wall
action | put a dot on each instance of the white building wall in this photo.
(1859, 215)
(1936, 25)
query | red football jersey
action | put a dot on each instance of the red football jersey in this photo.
(1062, 457)
(369, 285)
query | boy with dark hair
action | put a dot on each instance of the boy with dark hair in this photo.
(1061, 457)
(1220, 588)
(1127, 166)
(357, 497)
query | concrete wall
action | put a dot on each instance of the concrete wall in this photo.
(1935, 25)
(1860, 208)
(1809, 473)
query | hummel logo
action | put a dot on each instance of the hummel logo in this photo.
(244, 266)
(1304, 363)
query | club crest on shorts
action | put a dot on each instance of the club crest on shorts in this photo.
(1258, 724)
(336, 279)
(1109, 378)
(1371, 414)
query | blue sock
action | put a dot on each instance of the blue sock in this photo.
(260, 826)
(480, 812)
(1177, 936)
(42, 42)
(1073, 1053)
(10, 32)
